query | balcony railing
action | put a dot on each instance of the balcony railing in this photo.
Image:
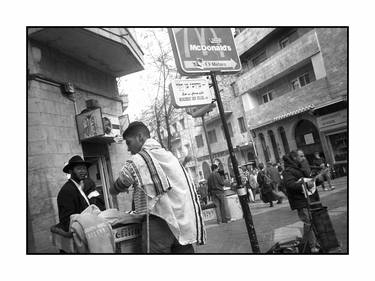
(297, 53)
(249, 37)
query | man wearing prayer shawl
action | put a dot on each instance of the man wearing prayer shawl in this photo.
(163, 192)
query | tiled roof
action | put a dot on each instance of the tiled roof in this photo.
(294, 112)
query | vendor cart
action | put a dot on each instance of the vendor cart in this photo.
(127, 237)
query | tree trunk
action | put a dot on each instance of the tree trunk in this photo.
(158, 127)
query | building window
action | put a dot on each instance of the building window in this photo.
(267, 97)
(182, 123)
(212, 136)
(229, 129)
(234, 89)
(284, 139)
(199, 140)
(300, 81)
(260, 57)
(284, 42)
(241, 124)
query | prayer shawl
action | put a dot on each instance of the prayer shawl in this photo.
(171, 193)
(91, 233)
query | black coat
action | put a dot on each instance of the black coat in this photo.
(265, 186)
(291, 174)
(69, 202)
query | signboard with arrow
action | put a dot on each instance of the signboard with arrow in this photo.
(203, 50)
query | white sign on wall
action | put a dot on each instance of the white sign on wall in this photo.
(309, 138)
(190, 92)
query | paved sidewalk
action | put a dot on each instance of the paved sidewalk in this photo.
(275, 224)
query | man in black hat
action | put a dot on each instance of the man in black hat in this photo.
(71, 198)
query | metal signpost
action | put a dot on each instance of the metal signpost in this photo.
(202, 51)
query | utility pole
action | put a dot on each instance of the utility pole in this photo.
(241, 191)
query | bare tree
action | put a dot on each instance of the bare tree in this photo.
(161, 113)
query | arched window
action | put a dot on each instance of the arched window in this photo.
(284, 139)
(264, 147)
(274, 145)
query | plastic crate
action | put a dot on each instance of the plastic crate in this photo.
(128, 238)
(209, 214)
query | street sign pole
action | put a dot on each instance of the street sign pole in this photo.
(240, 189)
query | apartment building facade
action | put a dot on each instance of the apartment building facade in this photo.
(291, 93)
(293, 88)
(72, 71)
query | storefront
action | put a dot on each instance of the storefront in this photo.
(333, 129)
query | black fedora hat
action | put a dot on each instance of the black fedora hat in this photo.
(74, 161)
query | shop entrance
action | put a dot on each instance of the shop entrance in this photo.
(100, 170)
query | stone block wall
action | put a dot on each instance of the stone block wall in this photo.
(52, 139)
(334, 47)
(52, 133)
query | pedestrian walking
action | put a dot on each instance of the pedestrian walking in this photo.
(268, 195)
(244, 174)
(216, 185)
(253, 182)
(163, 193)
(274, 175)
(293, 179)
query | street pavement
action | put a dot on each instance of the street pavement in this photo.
(276, 224)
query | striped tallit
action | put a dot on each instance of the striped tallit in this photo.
(171, 193)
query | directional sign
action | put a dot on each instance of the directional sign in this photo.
(190, 92)
(202, 50)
